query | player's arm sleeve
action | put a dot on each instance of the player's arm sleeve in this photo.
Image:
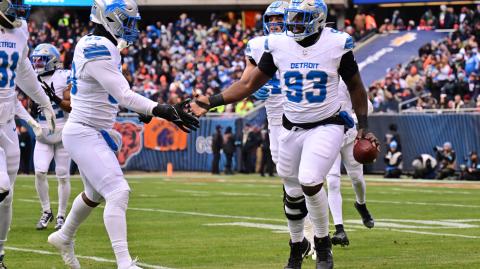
(267, 65)
(348, 66)
(27, 81)
(113, 81)
(349, 72)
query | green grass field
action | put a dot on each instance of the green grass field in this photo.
(203, 221)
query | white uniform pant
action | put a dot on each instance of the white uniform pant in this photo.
(9, 155)
(98, 165)
(274, 135)
(306, 156)
(43, 155)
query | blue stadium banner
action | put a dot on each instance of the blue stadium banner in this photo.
(60, 3)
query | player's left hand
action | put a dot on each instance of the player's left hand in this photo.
(50, 116)
(199, 105)
(369, 136)
(49, 90)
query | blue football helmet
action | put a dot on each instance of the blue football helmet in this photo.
(12, 12)
(45, 58)
(119, 17)
(305, 18)
(274, 9)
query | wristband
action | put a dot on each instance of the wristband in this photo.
(216, 100)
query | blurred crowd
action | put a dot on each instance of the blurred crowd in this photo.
(444, 75)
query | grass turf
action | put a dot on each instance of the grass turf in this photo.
(199, 221)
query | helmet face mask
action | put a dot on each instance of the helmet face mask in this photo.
(12, 12)
(119, 17)
(305, 18)
(45, 58)
(274, 18)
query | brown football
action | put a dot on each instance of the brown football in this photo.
(365, 152)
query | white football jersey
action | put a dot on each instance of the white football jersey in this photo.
(60, 79)
(98, 85)
(274, 103)
(13, 52)
(310, 75)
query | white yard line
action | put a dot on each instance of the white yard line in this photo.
(430, 191)
(431, 233)
(415, 203)
(92, 258)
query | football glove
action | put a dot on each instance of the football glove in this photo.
(178, 115)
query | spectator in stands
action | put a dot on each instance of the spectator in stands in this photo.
(266, 164)
(252, 141)
(446, 158)
(217, 145)
(458, 103)
(392, 135)
(412, 78)
(244, 106)
(394, 161)
(424, 167)
(228, 149)
(472, 169)
(25, 142)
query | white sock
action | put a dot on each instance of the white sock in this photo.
(41, 183)
(295, 227)
(317, 206)
(335, 199)
(360, 189)
(308, 229)
(79, 212)
(115, 219)
(5, 218)
(63, 195)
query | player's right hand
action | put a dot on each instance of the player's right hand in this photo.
(262, 94)
(49, 90)
(199, 106)
(185, 120)
(50, 116)
(369, 136)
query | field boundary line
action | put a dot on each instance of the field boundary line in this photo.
(92, 258)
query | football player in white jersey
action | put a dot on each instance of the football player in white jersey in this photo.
(98, 88)
(294, 207)
(46, 62)
(15, 70)
(355, 172)
(311, 58)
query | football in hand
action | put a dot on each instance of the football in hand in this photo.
(365, 151)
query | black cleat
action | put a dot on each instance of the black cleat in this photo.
(298, 251)
(323, 247)
(366, 217)
(340, 238)
(46, 218)
(2, 265)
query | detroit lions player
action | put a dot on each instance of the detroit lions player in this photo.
(273, 23)
(46, 62)
(355, 172)
(15, 70)
(98, 88)
(311, 58)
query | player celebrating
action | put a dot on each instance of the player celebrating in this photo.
(15, 70)
(98, 88)
(273, 23)
(354, 170)
(310, 59)
(46, 62)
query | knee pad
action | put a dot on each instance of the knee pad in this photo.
(62, 172)
(118, 200)
(295, 207)
(41, 175)
(3, 195)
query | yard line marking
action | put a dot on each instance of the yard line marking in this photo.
(427, 224)
(249, 194)
(462, 220)
(431, 191)
(417, 203)
(93, 258)
(274, 228)
(186, 213)
(431, 233)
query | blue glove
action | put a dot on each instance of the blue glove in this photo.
(347, 119)
(262, 94)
